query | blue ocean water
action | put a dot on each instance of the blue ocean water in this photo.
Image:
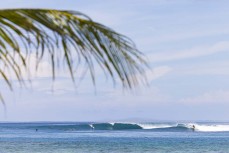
(114, 137)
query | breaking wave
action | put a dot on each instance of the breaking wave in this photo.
(161, 127)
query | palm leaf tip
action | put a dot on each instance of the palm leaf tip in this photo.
(63, 34)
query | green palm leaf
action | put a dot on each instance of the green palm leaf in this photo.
(62, 35)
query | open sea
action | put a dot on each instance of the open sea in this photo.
(82, 137)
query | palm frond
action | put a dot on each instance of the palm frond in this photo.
(62, 34)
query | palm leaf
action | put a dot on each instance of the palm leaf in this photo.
(68, 35)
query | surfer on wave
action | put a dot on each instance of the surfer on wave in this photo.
(193, 127)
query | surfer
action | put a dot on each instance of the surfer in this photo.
(36, 130)
(193, 127)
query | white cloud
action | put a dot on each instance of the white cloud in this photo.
(190, 53)
(220, 96)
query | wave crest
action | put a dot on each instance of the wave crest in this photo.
(161, 127)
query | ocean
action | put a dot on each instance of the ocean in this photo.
(82, 137)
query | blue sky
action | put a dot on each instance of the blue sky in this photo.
(186, 43)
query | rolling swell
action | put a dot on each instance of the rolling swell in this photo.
(89, 126)
(115, 126)
(150, 127)
(102, 126)
(125, 126)
(69, 127)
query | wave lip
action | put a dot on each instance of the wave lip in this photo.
(149, 126)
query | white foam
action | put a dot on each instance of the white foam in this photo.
(154, 126)
(198, 127)
(212, 128)
(112, 123)
(91, 126)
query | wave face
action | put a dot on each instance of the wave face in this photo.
(156, 127)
